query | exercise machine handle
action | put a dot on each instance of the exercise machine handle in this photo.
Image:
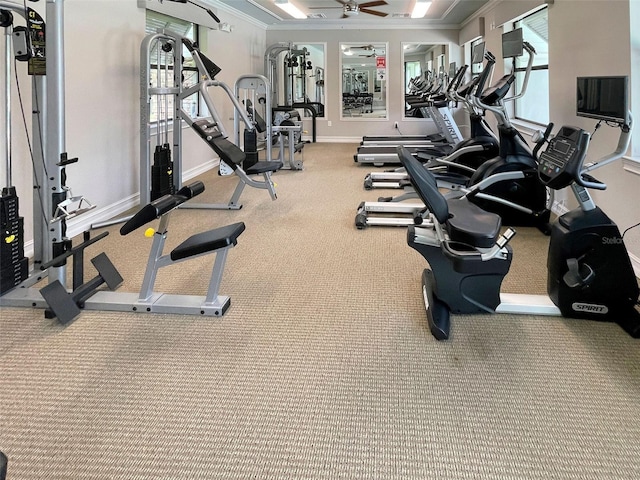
(491, 60)
(623, 145)
(587, 181)
(541, 142)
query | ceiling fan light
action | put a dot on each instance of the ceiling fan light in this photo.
(420, 9)
(290, 8)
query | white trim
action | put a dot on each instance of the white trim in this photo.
(82, 223)
(327, 139)
(243, 16)
(336, 25)
(631, 164)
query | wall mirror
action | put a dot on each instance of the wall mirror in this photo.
(306, 71)
(297, 76)
(364, 80)
(425, 67)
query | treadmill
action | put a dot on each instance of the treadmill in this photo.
(382, 150)
(466, 157)
(428, 104)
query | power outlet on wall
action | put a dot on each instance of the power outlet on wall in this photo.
(329, 123)
(395, 125)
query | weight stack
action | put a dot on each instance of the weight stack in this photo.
(14, 266)
(162, 173)
(250, 149)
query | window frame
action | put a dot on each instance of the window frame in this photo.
(195, 37)
(521, 69)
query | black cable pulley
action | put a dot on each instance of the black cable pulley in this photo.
(6, 18)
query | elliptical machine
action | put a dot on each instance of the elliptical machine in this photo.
(590, 275)
(466, 156)
(507, 184)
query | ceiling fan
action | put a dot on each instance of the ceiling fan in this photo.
(350, 8)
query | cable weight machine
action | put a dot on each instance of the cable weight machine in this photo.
(66, 303)
(41, 46)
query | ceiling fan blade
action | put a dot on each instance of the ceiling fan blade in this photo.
(343, 2)
(378, 3)
(373, 12)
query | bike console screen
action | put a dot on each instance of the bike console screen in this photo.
(560, 163)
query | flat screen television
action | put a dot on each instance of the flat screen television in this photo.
(512, 43)
(477, 53)
(603, 98)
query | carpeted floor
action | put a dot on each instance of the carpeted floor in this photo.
(322, 368)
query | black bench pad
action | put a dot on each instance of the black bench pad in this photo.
(469, 224)
(229, 152)
(208, 241)
(264, 167)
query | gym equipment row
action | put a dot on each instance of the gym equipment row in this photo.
(296, 69)
(161, 191)
(506, 184)
(590, 275)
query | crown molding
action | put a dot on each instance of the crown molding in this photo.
(337, 25)
(243, 16)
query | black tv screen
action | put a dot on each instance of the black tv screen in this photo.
(512, 43)
(603, 98)
(477, 54)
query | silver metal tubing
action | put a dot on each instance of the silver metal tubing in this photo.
(7, 98)
(55, 119)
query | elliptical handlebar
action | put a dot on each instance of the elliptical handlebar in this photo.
(458, 78)
(543, 139)
(491, 60)
(586, 180)
(532, 53)
(499, 109)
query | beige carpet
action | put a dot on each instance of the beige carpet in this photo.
(322, 368)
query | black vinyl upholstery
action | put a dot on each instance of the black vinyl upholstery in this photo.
(464, 222)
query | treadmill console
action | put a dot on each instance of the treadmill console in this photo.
(560, 164)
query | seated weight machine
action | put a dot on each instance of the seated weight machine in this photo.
(66, 303)
(211, 131)
(85, 295)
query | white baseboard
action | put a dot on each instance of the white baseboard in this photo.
(200, 169)
(335, 139)
(84, 222)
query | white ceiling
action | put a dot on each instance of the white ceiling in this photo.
(442, 13)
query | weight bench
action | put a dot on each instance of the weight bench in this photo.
(231, 158)
(218, 241)
(65, 306)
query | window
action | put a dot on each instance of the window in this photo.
(154, 22)
(534, 106)
(411, 71)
